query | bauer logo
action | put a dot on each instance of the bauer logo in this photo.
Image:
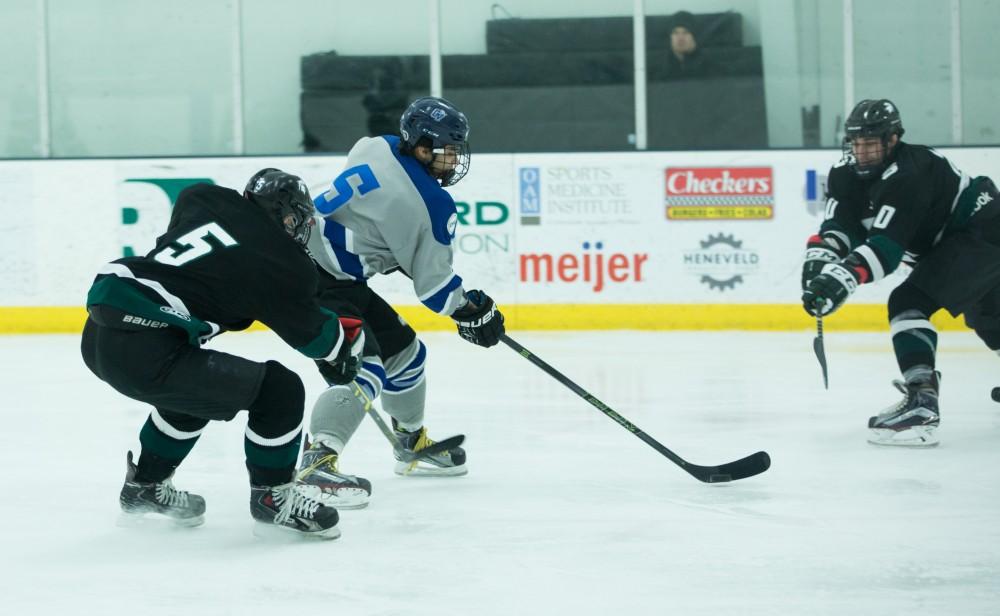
(591, 266)
(721, 262)
(530, 206)
(719, 193)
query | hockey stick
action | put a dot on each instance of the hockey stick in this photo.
(740, 469)
(820, 351)
(404, 454)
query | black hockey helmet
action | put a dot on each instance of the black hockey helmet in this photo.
(436, 123)
(286, 198)
(871, 118)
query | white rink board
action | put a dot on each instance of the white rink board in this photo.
(64, 219)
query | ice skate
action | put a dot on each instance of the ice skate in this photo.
(138, 498)
(448, 463)
(343, 491)
(913, 422)
(293, 507)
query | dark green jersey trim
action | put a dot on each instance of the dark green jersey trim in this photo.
(966, 207)
(322, 344)
(888, 252)
(853, 237)
(110, 290)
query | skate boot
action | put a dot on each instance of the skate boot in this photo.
(319, 468)
(914, 421)
(293, 507)
(138, 498)
(449, 463)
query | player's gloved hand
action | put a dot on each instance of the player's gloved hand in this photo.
(342, 369)
(479, 321)
(828, 291)
(818, 254)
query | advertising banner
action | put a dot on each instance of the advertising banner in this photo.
(652, 228)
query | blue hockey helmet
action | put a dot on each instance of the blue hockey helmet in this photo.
(436, 123)
(286, 198)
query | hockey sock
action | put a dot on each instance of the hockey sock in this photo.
(166, 439)
(914, 340)
(274, 430)
(335, 416)
(405, 388)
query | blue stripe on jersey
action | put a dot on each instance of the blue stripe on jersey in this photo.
(437, 301)
(349, 262)
(440, 206)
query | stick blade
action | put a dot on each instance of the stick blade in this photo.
(821, 356)
(449, 443)
(749, 466)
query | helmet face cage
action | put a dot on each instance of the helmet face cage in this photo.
(451, 163)
(871, 119)
(437, 123)
(297, 220)
(286, 198)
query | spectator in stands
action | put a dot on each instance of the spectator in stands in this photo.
(685, 58)
(386, 99)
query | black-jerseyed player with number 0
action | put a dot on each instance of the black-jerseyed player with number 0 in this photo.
(891, 202)
(225, 261)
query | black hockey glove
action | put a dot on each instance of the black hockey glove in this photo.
(479, 321)
(342, 369)
(818, 254)
(828, 291)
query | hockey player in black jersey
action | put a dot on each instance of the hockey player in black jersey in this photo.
(888, 203)
(225, 261)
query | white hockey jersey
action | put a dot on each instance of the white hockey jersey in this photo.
(384, 213)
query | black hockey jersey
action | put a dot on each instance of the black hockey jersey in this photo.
(897, 217)
(222, 264)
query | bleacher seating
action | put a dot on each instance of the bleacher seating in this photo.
(557, 85)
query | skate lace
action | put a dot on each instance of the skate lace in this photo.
(901, 386)
(166, 494)
(423, 441)
(293, 503)
(909, 393)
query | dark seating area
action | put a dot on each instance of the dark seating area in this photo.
(552, 85)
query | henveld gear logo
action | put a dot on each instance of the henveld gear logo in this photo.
(722, 262)
(590, 267)
(719, 193)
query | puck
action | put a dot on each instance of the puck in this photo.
(995, 394)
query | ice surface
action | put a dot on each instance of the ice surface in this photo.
(563, 511)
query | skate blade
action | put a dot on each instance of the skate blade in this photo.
(918, 437)
(155, 520)
(418, 469)
(276, 532)
(344, 498)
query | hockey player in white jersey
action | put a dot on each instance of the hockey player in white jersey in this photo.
(388, 212)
